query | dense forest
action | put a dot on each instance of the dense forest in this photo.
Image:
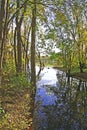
(31, 31)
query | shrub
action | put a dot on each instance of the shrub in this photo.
(19, 80)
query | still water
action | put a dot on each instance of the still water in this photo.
(59, 104)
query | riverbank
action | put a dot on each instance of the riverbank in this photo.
(78, 75)
(81, 76)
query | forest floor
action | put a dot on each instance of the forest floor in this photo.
(16, 108)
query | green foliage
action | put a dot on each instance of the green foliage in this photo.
(8, 67)
(53, 56)
(15, 80)
(75, 70)
(19, 80)
(1, 110)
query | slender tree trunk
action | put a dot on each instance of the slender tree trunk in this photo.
(41, 65)
(15, 50)
(33, 72)
(19, 21)
(19, 60)
(26, 52)
(19, 56)
(2, 12)
(81, 67)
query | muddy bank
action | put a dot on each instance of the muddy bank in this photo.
(78, 75)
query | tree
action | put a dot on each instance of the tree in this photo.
(33, 36)
(3, 31)
(69, 25)
(19, 20)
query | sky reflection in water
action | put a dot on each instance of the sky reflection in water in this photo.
(44, 96)
(47, 81)
(53, 111)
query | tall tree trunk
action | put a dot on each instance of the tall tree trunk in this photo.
(33, 26)
(19, 50)
(18, 32)
(15, 50)
(2, 13)
(26, 50)
(81, 65)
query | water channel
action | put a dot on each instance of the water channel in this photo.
(59, 104)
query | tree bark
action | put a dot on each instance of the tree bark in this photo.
(81, 66)
(19, 21)
(2, 12)
(33, 26)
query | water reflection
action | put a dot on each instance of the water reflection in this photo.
(60, 105)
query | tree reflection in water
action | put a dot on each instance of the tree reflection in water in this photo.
(70, 109)
(63, 107)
